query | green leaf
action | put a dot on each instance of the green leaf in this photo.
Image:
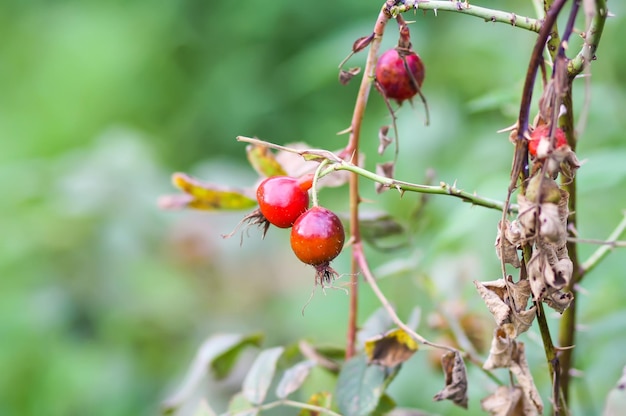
(293, 378)
(206, 196)
(385, 405)
(259, 378)
(360, 387)
(264, 161)
(218, 347)
(223, 363)
(241, 406)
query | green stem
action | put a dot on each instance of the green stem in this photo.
(316, 177)
(603, 251)
(401, 186)
(592, 38)
(488, 15)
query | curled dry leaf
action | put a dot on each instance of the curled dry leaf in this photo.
(508, 306)
(525, 379)
(559, 301)
(384, 169)
(456, 379)
(502, 347)
(508, 246)
(391, 349)
(508, 353)
(383, 139)
(505, 401)
(346, 76)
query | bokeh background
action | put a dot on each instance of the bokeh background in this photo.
(104, 298)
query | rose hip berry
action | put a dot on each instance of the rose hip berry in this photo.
(282, 199)
(317, 237)
(392, 75)
(539, 143)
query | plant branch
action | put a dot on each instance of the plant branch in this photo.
(488, 15)
(442, 189)
(592, 38)
(603, 251)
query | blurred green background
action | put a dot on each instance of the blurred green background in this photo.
(104, 298)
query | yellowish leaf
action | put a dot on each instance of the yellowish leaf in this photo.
(390, 349)
(207, 196)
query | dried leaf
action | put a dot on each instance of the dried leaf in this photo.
(505, 401)
(346, 76)
(493, 294)
(263, 160)
(522, 321)
(522, 373)
(456, 379)
(391, 349)
(510, 243)
(502, 346)
(384, 169)
(537, 269)
(362, 43)
(383, 139)
(559, 301)
(211, 197)
(551, 227)
(520, 293)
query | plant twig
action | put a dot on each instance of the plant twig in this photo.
(442, 189)
(598, 255)
(592, 38)
(488, 15)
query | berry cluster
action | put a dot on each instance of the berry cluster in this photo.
(317, 234)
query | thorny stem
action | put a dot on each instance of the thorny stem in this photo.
(401, 186)
(489, 15)
(352, 151)
(592, 38)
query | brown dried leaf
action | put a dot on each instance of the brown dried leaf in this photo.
(383, 139)
(493, 294)
(346, 76)
(362, 43)
(392, 348)
(456, 379)
(502, 346)
(559, 301)
(522, 321)
(505, 401)
(525, 379)
(384, 169)
(512, 238)
(538, 267)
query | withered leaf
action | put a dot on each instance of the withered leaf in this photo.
(493, 294)
(390, 349)
(522, 373)
(520, 293)
(502, 346)
(346, 76)
(559, 301)
(384, 169)
(206, 196)
(510, 243)
(383, 139)
(456, 379)
(505, 401)
(522, 321)
(362, 43)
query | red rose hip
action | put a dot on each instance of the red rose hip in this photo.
(393, 78)
(282, 199)
(317, 237)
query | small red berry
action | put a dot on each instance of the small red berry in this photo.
(282, 199)
(317, 237)
(539, 143)
(393, 78)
